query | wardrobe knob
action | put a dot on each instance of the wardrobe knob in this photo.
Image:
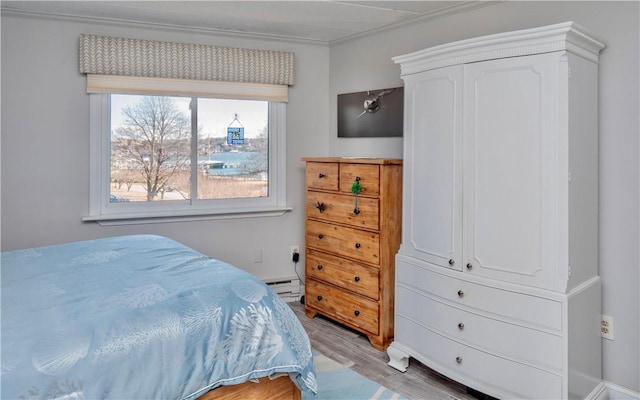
(356, 313)
(320, 266)
(357, 279)
(459, 360)
(460, 293)
(469, 266)
(319, 298)
(358, 245)
(321, 175)
(320, 236)
(451, 262)
(461, 326)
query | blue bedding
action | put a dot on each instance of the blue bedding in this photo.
(140, 317)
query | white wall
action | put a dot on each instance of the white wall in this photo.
(45, 144)
(365, 63)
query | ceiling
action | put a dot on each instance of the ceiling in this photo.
(323, 21)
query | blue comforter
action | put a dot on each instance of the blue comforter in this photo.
(140, 317)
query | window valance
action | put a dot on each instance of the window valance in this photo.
(105, 55)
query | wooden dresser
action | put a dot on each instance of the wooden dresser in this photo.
(351, 242)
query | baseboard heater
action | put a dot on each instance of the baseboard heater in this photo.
(287, 288)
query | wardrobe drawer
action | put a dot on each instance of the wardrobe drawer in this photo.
(346, 307)
(367, 174)
(516, 306)
(320, 175)
(341, 208)
(349, 242)
(500, 337)
(344, 273)
(485, 371)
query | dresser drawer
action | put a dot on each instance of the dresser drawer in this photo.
(340, 208)
(344, 306)
(368, 174)
(521, 307)
(499, 337)
(479, 369)
(344, 273)
(320, 175)
(349, 242)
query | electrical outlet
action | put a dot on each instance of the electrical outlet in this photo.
(295, 253)
(606, 327)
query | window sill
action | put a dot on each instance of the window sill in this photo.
(184, 216)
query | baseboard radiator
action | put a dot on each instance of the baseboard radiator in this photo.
(287, 288)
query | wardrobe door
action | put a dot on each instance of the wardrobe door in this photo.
(432, 224)
(511, 159)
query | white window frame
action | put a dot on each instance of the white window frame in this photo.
(104, 212)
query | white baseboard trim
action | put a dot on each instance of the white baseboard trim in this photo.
(617, 392)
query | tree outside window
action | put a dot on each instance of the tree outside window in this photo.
(151, 143)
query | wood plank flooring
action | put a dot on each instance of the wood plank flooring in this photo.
(354, 350)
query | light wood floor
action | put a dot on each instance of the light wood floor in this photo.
(353, 349)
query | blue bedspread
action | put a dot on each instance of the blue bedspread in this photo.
(140, 317)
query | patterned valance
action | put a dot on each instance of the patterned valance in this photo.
(104, 55)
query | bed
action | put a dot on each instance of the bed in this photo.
(144, 317)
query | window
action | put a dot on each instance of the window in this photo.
(159, 157)
(157, 112)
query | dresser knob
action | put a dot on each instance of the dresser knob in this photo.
(356, 211)
(356, 312)
(460, 293)
(451, 262)
(459, 360)
(461, 326)
(357, 179)
(358, 245)
(319, 298)
(357, 279)
(321, 175)
(469, 266)
(320, 266)
(320, 236)
(320, 206)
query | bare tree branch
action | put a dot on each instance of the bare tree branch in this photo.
(155, 139)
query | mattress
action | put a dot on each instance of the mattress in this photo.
(140, 316)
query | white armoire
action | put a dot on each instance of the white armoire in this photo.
(497, 282)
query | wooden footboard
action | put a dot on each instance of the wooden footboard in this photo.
(265, 389)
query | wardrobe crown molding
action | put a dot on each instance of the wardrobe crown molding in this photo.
(566, 36)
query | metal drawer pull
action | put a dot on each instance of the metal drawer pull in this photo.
(357, 279)
(321, 175)
(459, 360)
(320, 266)
(320, 236)
(469, 266)
(320, 206)
(358, 245)
(460, 293)
(461, 326)
(319, 298)
(356, 312)
(451, 262)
